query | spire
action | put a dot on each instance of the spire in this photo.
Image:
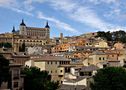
(47, 26)
(22, 23)
(13, 30)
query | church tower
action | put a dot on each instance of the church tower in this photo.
(47, 27)
(22, 30)
(15, 47)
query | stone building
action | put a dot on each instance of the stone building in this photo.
(52, 64)
(30, 36)
(35, 32)
(16, 79)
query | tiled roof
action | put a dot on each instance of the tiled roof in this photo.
(98, 53)
(49, 58)
(89, 68)
(71, 87)
(79, 78)
(15, 65)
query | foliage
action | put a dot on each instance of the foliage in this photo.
(4, 69)
(7, 45)
(117, 36)
(38, 80)
(110, 78)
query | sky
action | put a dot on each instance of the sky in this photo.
(70, 17)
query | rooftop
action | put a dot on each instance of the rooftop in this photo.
(89, 68)
(49, 58)
(35, 28)
(71, 87)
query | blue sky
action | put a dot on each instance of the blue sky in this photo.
(71, 17)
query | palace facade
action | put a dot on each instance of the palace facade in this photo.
(30, 36)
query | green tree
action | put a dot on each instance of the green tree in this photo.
(8, 45)
(4, 69)
(101, 34)
(119, 36)
(108, 36)
(110, 78)
(105, 35)
(38, 80)
(1, 45)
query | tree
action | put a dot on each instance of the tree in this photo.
(1, 45)
(110, 78)
(8, 45)
(119, 36)
(108, 36)
(38, 80)
(101, 34)
(105, 35)
(5, 44)
(4, 69)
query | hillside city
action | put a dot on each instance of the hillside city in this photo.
(71, 61)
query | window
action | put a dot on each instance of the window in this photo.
(61, 70)
(47, 62)
(55, 62)
(81, 74)
(51, 62)
(15, 84)
(60, 62)
(104, 65)
(16, 74)
(99, 58)
(51, 71)
(90, 73)
(103, 58)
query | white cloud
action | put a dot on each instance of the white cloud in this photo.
(28, 5)
(58, 23)
(94, 1)
(88, 17)
(8, 3)
(80, 13)
(103, 1)
(40, 1)
(14, 5)
(63, 5)
(117, 28)
(83, 14)
(21, 11)
(75, 11)
(110, 1)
